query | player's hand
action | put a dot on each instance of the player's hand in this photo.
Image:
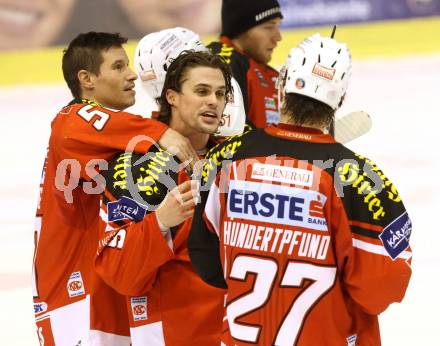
(178, 145)
(178, 204)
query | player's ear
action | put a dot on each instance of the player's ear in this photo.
(171, 96)
(85, 79)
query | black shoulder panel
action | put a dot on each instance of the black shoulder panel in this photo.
(144, 178)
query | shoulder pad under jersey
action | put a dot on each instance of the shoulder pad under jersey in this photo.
(144, 178)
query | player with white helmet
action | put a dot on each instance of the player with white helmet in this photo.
(310, 239)
(319, 68)
(154, 53)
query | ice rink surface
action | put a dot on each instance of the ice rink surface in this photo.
(402, 97)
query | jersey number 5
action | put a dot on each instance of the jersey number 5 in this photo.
(101, 120)
(266, 271)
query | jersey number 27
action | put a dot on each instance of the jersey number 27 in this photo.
(266, 270)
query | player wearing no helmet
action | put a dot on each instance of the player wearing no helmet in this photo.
(154, 54)
(250, 32)
(143, 251)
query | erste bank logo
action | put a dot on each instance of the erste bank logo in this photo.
(276, 204)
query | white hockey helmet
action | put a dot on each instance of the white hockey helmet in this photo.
(234, 115)
(319, 68)
(155, 52)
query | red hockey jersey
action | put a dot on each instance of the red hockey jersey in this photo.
(257, 83)
(310, 239)
(83, 136)
(167, 303)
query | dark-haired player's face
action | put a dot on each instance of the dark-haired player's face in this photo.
(114, 86)
(260, 41)
(199, 106)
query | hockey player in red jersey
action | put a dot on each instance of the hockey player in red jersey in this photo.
(310, 239)
(90, 130)
(142, 251)
(153, 54)
(250, 33)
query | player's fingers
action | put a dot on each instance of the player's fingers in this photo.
(190, 185)
(186, 153)
(184, 187)
(188, 213)
(177, 191)
(189, 204)
(190, 195)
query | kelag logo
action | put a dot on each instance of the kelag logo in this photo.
(395, 237)
(75, 285)
(139, 308)
(125, 208)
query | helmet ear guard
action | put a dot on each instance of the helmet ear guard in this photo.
(234, 114)
(319, 68)
(155, 52)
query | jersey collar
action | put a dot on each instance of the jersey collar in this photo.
(299, 133)
(85, 101)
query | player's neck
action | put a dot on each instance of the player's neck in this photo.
(91, 98)
(198, 140)
(286, 119)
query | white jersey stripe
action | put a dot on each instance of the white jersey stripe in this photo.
(378, 249)
(98, 338)
(149, 334)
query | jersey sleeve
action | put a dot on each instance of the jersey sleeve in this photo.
(85, 132)
(376, 256)
(132, 245)
(128, 258)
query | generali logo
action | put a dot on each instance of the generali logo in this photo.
(323, 72)
(282, 174)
